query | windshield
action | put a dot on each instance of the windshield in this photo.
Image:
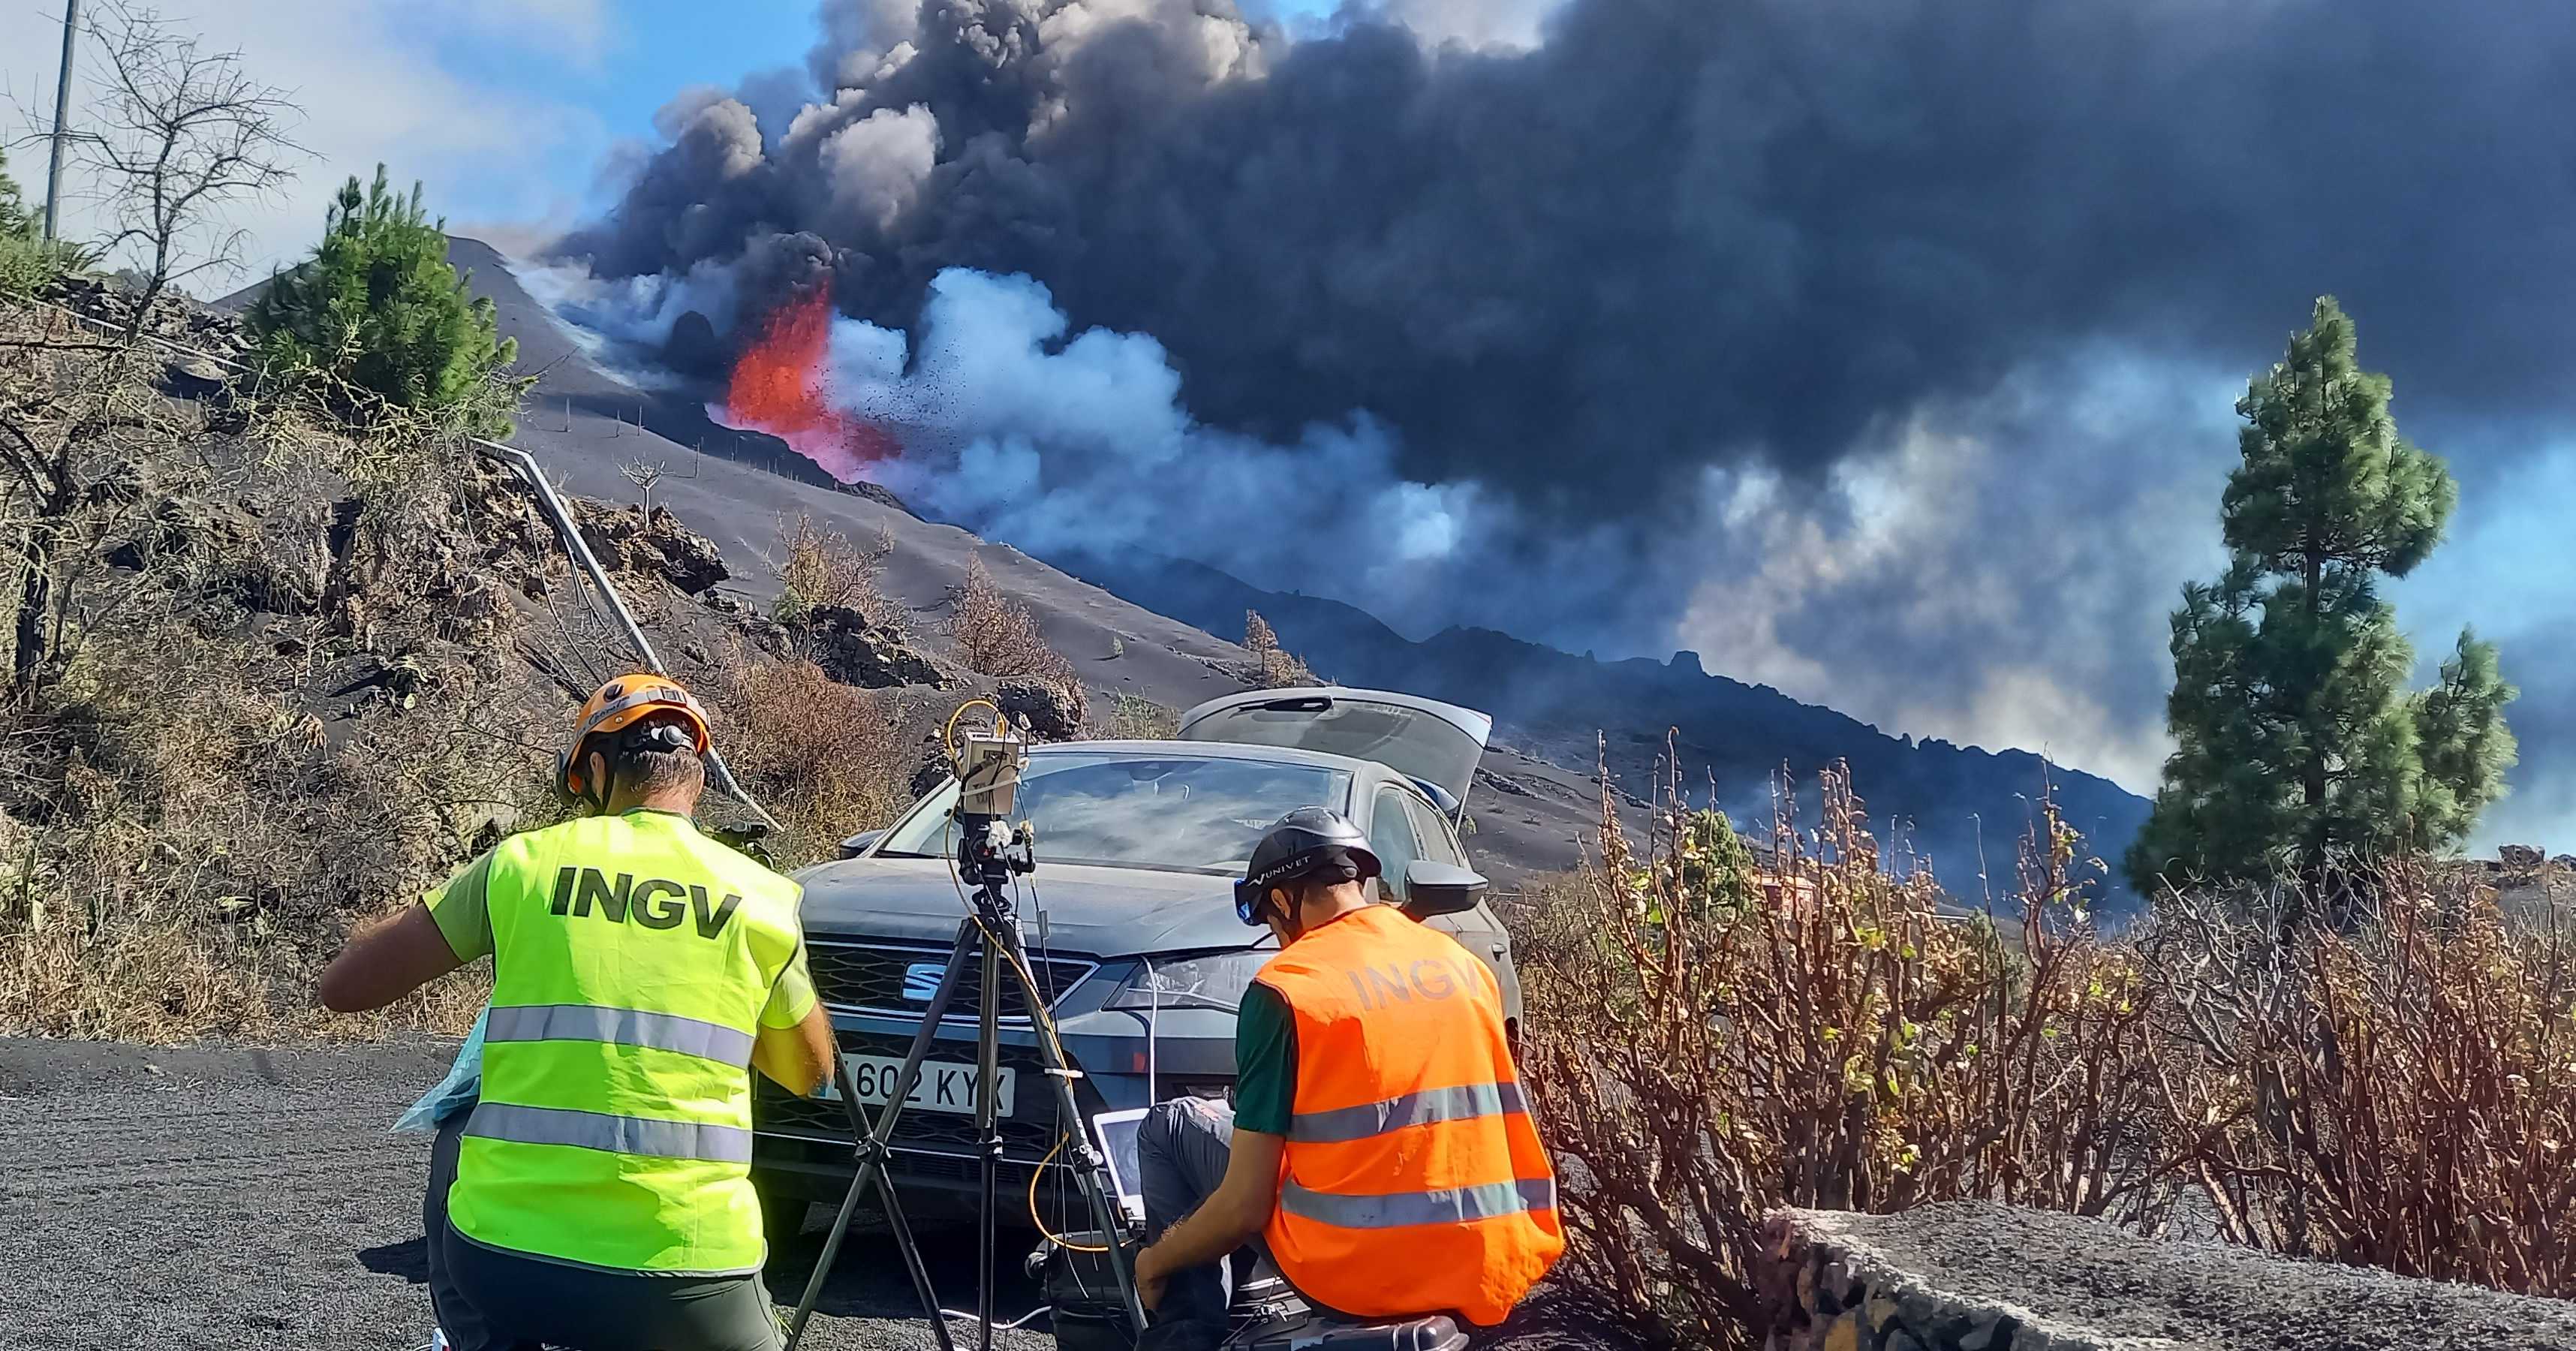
(1184, 812)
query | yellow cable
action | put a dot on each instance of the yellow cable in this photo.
(1034, 1175)
(948, 733)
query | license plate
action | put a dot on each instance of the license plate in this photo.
(944, 1085)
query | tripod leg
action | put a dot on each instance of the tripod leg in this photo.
(1089, 1170)
(912, 1264)
(870, 1151)
(988, 1116)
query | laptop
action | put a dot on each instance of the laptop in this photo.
(1115, 1132)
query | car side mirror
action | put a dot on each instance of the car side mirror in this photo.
(858, 844)
(1432, 888)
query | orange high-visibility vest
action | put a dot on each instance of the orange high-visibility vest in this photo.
(1412, 1181)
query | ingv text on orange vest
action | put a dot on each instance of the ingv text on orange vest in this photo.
(1378, 986)
(654, 902)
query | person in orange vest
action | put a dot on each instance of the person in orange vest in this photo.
(1379, 1149)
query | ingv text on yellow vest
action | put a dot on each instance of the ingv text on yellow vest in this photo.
(654, 902)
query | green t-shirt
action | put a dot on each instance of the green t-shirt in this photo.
(1265, 1062)
(463, 911)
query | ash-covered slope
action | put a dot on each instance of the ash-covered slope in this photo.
(1954, 805)
(584, 424)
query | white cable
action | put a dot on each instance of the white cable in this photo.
(998, 1327)
(1153, 1024)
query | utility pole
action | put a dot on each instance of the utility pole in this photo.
(62, 115)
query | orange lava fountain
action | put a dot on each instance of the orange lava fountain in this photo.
(778, 387)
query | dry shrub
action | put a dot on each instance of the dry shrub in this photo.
(1272, 668)
(2401, 1094)
(1133, 717)
(1707, 1039)
(820, 755)
(999, 636)
(821, 568)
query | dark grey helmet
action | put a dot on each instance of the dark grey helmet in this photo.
(1303, 841)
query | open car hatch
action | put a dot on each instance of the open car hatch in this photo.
(1430, 742)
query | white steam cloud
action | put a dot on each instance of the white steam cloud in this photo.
(1059, 443)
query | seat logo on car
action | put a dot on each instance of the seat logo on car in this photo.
(921, 980)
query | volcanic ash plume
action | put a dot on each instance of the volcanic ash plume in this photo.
(1540, 318)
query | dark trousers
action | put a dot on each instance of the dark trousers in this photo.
(1182, 1149)
(464, 1327)
(487, 1299)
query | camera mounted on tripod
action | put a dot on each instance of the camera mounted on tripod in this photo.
(989, 849)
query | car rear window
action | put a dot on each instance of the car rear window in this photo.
(1183, 812)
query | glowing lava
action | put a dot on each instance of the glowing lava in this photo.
(779, 387)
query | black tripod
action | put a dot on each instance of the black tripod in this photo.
(987, 856)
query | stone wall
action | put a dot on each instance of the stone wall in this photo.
(1974, 1277)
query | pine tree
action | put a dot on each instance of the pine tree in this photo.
(2296, 743)
(26, 262)
(15, 220)
(378, 308)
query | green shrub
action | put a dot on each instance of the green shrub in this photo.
(378, 319)
(26, 262)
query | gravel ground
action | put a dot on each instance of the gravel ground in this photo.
(238, 1197)
(2089, 1284)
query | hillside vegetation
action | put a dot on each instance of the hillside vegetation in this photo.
(292, 659)
(1713, 1033)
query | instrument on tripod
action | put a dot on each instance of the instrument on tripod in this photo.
(990, 852)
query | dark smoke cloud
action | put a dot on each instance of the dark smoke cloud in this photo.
(1678, 232)
(1883, 350)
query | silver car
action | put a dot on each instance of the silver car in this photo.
(1129, 919)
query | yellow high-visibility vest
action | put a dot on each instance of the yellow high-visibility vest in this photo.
(631, 959)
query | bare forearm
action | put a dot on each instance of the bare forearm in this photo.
(385, 961)
(799, 1058)
(1206, 1234)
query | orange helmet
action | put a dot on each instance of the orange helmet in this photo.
(619, 704)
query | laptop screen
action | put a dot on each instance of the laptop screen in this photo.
(1116, 1134)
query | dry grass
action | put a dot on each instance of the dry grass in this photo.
(1271, 668)
(173, 983)
(821, 756)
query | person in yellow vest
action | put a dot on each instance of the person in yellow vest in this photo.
(602, 1195)
(1379, 1148)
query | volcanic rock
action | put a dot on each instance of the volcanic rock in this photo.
(871, 656)
(930, 773)
(626, 540)
(1049, 711)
